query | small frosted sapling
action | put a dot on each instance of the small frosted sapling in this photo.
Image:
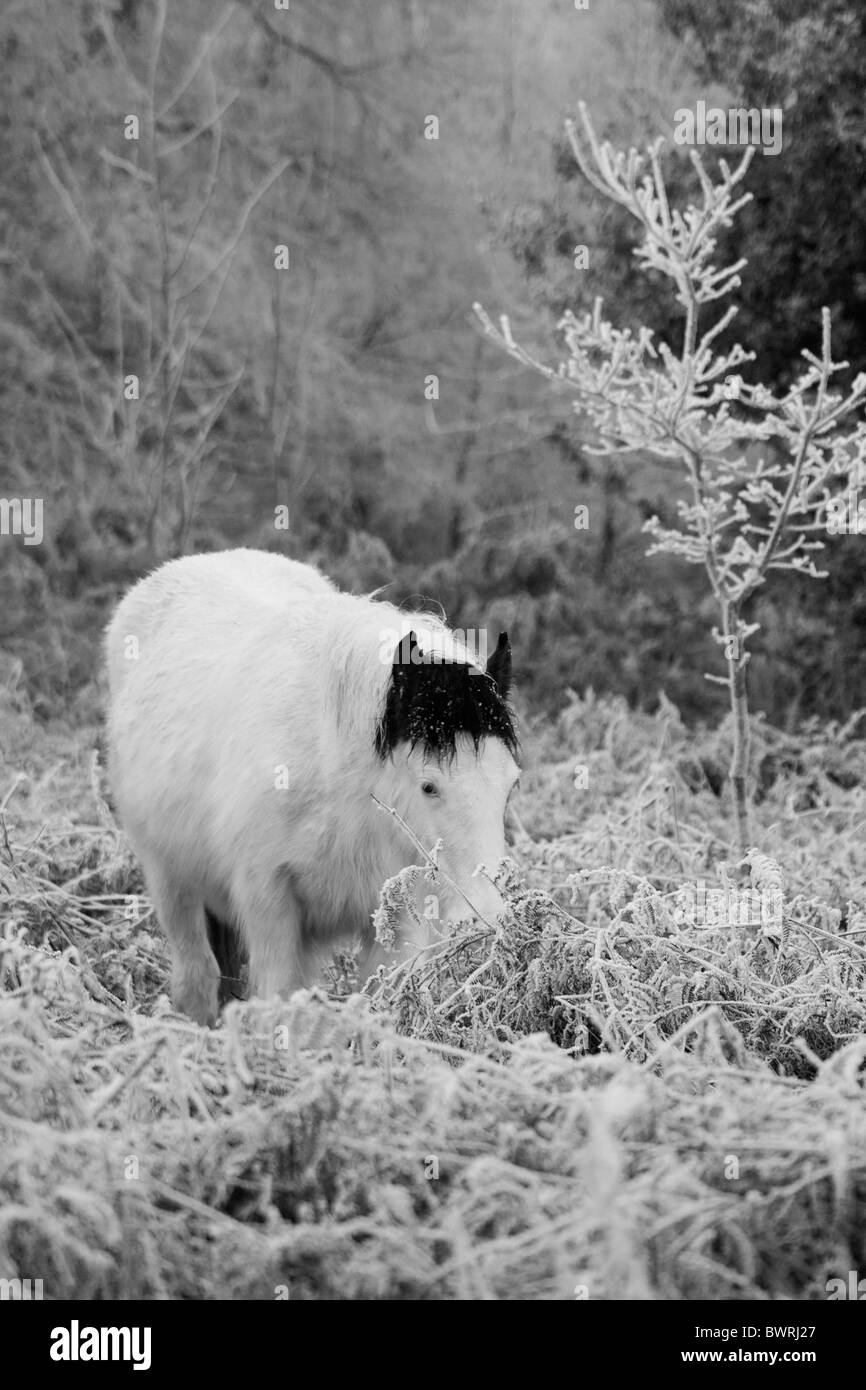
(760, 471)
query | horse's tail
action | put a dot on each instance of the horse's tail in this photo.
(226, 944)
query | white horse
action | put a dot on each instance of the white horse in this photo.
(252, 719)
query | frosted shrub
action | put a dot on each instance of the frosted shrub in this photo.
(763, 472)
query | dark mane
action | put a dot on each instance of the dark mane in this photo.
(431, 702)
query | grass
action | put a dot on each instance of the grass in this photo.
(601, 1097)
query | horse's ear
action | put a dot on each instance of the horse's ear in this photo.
(499, 665)
(407, 653)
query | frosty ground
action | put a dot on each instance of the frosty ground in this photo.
(600, 1097)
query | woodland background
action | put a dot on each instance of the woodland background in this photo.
(306, 387)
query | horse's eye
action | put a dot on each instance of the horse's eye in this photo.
(429, 789)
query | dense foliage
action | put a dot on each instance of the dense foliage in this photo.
(312, 388)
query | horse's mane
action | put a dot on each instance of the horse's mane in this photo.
(433, 703)
(430, 704)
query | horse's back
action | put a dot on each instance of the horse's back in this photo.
(202, 607)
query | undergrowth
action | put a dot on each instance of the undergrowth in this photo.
(602, 1094)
